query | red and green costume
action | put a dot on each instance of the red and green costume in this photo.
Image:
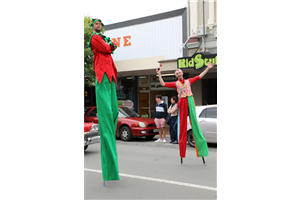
(106, 100)
(186, 106)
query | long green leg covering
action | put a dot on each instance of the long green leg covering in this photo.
(200, 142)
(107, 109)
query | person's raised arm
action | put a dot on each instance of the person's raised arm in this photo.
(160, 78)
(209, 66)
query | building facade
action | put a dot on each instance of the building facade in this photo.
(206, 88)
(145, 43)
(141, 44)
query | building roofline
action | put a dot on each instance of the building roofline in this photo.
(147, 19)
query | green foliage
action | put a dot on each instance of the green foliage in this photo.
(89, 73)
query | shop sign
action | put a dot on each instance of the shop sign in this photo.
(197, 61)
(165, 78)
(169, 78)
(157, 86)
(126, 41)
(125, 103)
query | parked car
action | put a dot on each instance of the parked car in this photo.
(130, 124)
(91, 134)
(207, 120)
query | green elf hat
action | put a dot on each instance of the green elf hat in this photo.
(93, 21)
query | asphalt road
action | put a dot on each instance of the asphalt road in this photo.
(150, 170)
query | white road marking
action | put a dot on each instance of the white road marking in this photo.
(159, 180)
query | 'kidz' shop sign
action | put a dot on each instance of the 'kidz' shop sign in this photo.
(197, 61)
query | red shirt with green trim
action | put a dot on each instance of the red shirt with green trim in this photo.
(103, 62)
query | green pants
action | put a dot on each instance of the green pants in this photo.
(107, 109)
(200, 142)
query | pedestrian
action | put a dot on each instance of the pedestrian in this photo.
(186, 105)
(106, 99)
(173, 114)
(160, 115)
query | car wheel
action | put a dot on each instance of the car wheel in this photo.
(190, 138)
(125, 133)
(85, 147)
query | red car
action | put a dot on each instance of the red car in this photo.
(91, 134)
(130, 124)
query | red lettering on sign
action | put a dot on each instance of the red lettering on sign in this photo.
(117, 42)
(126, 40)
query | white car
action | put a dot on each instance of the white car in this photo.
(207, 120)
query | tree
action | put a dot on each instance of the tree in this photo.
(89, 73)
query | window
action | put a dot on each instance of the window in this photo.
(93, 113)
(126, 112)
(202, 115)
(209, 113)
(86, 110)
(213, 51)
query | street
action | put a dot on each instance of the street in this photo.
(150, 170)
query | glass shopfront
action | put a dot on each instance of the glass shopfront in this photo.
(144, 96)
(125, 89)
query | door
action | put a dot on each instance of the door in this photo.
(207, 121)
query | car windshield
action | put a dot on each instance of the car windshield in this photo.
(126, 112)
(86, 110)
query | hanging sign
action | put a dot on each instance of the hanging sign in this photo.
(197, 62)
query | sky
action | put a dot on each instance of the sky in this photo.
(114, 11)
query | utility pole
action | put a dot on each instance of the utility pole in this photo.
(204, 50)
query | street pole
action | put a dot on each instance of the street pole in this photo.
(204, 48)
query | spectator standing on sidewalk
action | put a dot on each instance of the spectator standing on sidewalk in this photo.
(160, 115)
(173, 112)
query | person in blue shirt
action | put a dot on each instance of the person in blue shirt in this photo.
(160, 115)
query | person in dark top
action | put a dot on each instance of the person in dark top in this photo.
(160, 115)
(173, 114)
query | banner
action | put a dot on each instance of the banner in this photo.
(197, 62)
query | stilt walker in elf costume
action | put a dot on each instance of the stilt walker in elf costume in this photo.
(106, 99)
(186, 105)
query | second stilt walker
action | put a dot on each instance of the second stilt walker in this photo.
(186, 105)
(106, 99)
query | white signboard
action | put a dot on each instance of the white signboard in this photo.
(157, 38)
(126, 103)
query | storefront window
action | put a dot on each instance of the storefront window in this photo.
(124, 89)
(144, 96)
(213, 51)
